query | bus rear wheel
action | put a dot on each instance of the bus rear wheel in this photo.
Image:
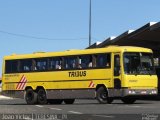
(55, 101)
(128, 100)
(69, 101)
(42, 98)
(102, 96)
(30, 96)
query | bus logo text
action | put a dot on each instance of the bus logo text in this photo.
(77, 74)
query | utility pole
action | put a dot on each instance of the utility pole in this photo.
(90, 22)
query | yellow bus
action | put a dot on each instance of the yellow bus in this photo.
(122, 72)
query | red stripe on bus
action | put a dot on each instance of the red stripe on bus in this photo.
(23, 84)
(90, 84)
(19, 82)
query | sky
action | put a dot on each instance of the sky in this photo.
(27, 26)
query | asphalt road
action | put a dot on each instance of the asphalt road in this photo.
(80, 110)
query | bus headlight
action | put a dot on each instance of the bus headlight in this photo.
(154, 92)
(131, 92)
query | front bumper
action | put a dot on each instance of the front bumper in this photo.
(132, 92)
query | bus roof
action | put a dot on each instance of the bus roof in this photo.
(79, 52)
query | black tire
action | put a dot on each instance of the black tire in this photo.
(128, 100)
(55, 101)
(102, 96)
(69, 101)
(42, 98)
(30, 96)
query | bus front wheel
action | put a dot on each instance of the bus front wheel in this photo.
(128, 100)
(42, 98)
(30, 96)
(102, 96)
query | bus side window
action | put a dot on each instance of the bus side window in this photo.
(8, 68)
(73, 62)
(79, 62)
(25, 65)
(52, 63)
(86, 61)
(12, 66)
(55, 63)
(34, 67)
(90, 64)
(58, 63)
(94, 57)
(40, 64)
(103, 60)
(70, 62)
(66, 62)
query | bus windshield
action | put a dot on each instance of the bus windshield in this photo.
(138, 63)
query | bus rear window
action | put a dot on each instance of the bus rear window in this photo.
(11, 66)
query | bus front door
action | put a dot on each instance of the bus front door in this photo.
(117, 74)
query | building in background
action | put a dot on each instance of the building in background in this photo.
(147, 36)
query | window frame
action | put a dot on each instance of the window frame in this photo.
(48, 59)
(110, 60)
(11, 69)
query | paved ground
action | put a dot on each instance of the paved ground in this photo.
(80, 110)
